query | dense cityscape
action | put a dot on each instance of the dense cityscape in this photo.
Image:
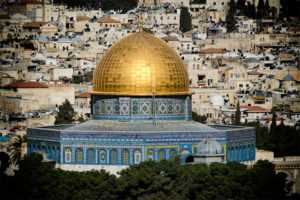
(150, 99)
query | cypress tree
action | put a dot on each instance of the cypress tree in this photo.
(185, 20)
(230, 20)
(273, 125)
(66, 114)
(238, 114)
(260, 9)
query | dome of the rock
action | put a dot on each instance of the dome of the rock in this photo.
(140, 65)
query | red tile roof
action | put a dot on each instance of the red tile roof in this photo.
(18, 127)
(83, 95)
(82, 18)
(107, 20)
(277, 118)
(255, 108)
(35, 24)
(212, 50)
(188, 32)
(26, 85)
(254, 73)
(126, 25)
(170, 38)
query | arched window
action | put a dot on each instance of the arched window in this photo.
(161, 155)
(102, 157)
(172, 154)
(114, 156)
(150, 155)
(125, 157)
(137, 156)
(79, 156)
(91, 156)
(68, 155)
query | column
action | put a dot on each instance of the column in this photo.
(56, 155)
(249, 152)
(96, 155)
(51, 153)
(47, 152)
(28, 149)
(131, 156)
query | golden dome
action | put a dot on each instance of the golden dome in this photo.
(139, 65)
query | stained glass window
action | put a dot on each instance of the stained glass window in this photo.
(68, 154)
(172, 154)
(125, 157)
(150, 155)
(102, 156)
(114, 156)
(79, 156)
(137, 156)
(91, 156)
(161, 155)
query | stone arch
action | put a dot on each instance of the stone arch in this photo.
(125, 157)
(184, 155)
(91, 156)
(79, 155)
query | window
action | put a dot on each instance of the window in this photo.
(137, 156)
(161, 155)
(91, 156)
(125, 157)
(150, 155)
(102, 156)
(79, 156)
(240, 85)
(114, 156)
(172, 154)
(68, 154)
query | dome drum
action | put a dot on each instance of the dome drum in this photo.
(141, 107)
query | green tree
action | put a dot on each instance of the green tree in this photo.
(185, 20)
(230, 17)
(66, 114)
(260, 9)
(240, 5)
(267, 9)
(199, 118)
(232, 119)
(273, 124)
(237, 118)
(198, 2)
(4, 162)
(16, 149)
(250, 10)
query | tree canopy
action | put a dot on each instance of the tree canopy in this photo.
(148, 180)
(66, 114)
(185, 20)
(230, 17)
(106, 5)
(199, 118)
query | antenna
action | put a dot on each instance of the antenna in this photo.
(141, 22)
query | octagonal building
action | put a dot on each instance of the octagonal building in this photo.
(140, 110)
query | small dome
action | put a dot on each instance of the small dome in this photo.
(217, 100)
(288, 78)
(209, 147)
